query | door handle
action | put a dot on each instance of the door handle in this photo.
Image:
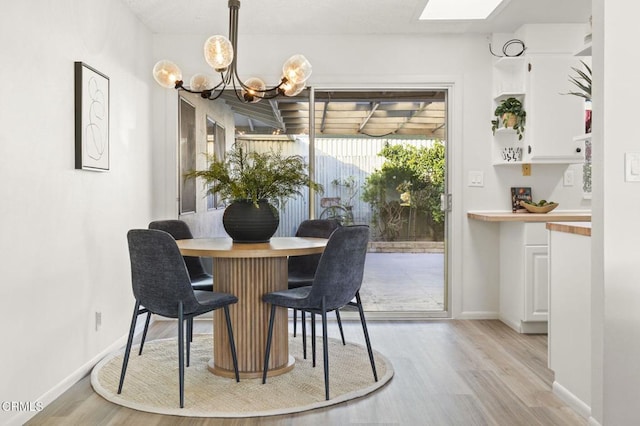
(445, 202)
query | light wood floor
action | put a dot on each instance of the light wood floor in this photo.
(447, 372)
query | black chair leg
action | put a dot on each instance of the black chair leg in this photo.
(340, 327)
(313, 338)
(366, 336)
(181, 352)
(303, 320)
(269, 336)
(295, 321)
(144, 333)
(189, 334)
(325, 350)
(127, 351)
(232, 342)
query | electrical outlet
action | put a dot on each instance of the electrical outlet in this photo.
(568, 178)
(98, 320)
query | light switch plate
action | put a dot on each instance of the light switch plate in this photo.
(476, 178)
(568, 178)
(632, 167)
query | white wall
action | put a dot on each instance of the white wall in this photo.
(415, 61)
(597, 215)
(63, 246)
(616, 227)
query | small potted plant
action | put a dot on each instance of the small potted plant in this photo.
(511, 114)
(254, 182)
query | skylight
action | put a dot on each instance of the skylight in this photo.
(456, 10)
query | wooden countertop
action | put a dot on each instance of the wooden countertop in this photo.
(504, 216)
(579, 228)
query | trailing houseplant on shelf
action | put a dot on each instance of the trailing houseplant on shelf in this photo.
(509, 114)
(254, 182)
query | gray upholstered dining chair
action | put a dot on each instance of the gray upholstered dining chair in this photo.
(302, 269)
(161, 284)
(200, 279)
(336, 283)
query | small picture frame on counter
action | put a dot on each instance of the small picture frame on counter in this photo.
(520, 194)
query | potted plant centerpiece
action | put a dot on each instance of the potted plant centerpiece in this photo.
(512, 114)
(254, 182)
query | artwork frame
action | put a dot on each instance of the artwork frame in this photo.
(92, 116)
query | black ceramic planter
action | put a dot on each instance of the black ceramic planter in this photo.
(247, 223)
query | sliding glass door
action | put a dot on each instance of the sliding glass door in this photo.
(381, 156)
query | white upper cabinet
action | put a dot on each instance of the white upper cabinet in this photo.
(553, 118)
(540, 80)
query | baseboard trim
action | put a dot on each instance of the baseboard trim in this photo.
(572, 401)
(66, 384)
(534, 327)
(593, 422)
(477, 315)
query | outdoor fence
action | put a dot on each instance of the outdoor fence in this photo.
(337, 159)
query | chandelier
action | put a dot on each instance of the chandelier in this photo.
(221, 54)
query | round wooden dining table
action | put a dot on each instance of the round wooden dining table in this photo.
(249, 270)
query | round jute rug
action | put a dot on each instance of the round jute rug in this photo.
(151, 383)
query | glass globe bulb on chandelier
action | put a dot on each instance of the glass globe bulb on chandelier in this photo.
(221, 54)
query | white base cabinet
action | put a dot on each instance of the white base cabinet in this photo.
(570, 318)
(524, 282)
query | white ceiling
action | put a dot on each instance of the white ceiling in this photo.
(343, 16)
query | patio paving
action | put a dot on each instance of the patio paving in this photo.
(400, 282)
(403, 282)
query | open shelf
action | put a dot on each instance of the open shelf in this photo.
(509, 63)
(499, 97)
(510, 163)
(505, 131)
(585, 51)
(582, 138)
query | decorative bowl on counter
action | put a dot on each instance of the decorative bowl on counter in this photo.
(532, 208)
